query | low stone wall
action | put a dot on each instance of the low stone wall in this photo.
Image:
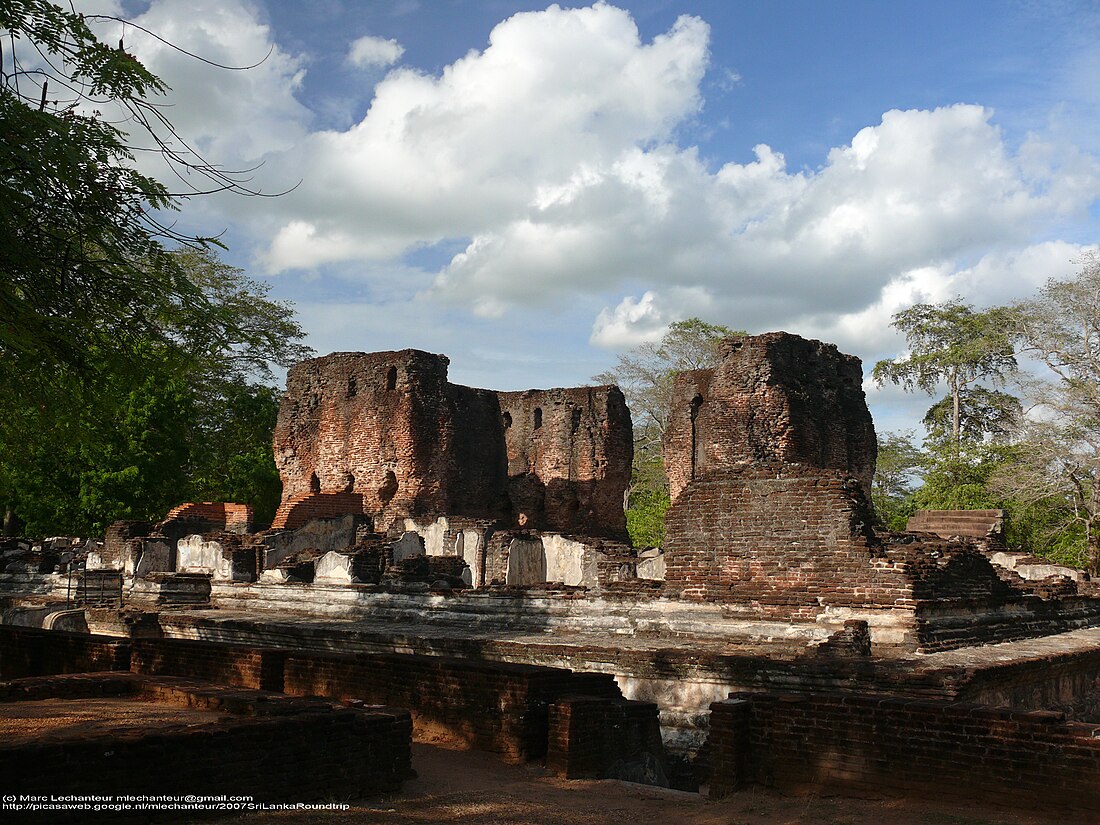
(256, 668)
(950, 624)
(946, 523)
(235, 518)
(297, 511)
(270, 748)
(898, 747)
(28, 651)
(598, 738)
(492, 706)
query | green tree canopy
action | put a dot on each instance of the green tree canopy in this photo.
(952, 343)
(898, 466)
(179, 418)
(1057, 470)
(121, 357)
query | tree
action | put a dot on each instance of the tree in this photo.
(83, 262)
(115, 351)
(954, 344)
(898, 465)
(1058, 467)
(646, 375)
(187, 423)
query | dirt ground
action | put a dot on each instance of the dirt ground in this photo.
(472, 788)
(24, 722)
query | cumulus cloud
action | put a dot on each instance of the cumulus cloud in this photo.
(556, 96)
(552, 155)
(918, 193)
(232, 118)
(369, 51)
(552, 159)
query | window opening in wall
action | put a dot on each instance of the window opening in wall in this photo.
(507, 418)
(538, 417)
(575, 424)
(391, 379)
(349, 486)
(352, 388)
(696, 403)
(314, 484)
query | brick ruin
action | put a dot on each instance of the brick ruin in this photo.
(387, 434)
(452, 524)
(774, 400)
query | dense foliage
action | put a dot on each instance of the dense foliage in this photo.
(1036, 452)
(128, 353)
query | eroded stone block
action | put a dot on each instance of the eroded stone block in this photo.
(526, 562)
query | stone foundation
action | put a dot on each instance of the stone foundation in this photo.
(893, 747)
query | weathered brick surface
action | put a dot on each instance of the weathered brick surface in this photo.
(493, 706)
(296, 511)
(256, 668)
(861, 744)
(947, 523)
(235, 518)
(775, 399)
(269, 747)
(29, 651)
(389, 428)
(569, 457)
(595, 737)
(785, 540)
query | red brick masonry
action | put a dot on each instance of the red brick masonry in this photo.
(896, 747)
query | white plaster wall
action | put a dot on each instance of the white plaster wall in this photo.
(194, 555)
(651, 565)
(471, 543)
(335, 568)
(155, 558)
(565, 560)
(407, 546)
(432, 533)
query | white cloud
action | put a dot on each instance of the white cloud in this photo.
(232, 118)
(553, 154)
(466, 153)
(552, 157)
(631, 323)
(918, 193)
(374, 51)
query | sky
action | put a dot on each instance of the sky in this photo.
(532, 189)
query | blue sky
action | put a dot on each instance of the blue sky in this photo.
(531, 189)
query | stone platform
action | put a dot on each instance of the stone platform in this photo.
(684, 674)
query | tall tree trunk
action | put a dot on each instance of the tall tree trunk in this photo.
(11, 522)
(955, 429)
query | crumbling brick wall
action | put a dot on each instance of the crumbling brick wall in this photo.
(600, 737)
(770, 456)
(30, 651)
(390, 428)
(233, 518)
(973, 523)
(774, 398)
(369, 424)
(569, 457)
(784, 540)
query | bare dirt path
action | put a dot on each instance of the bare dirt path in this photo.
(472, 788)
